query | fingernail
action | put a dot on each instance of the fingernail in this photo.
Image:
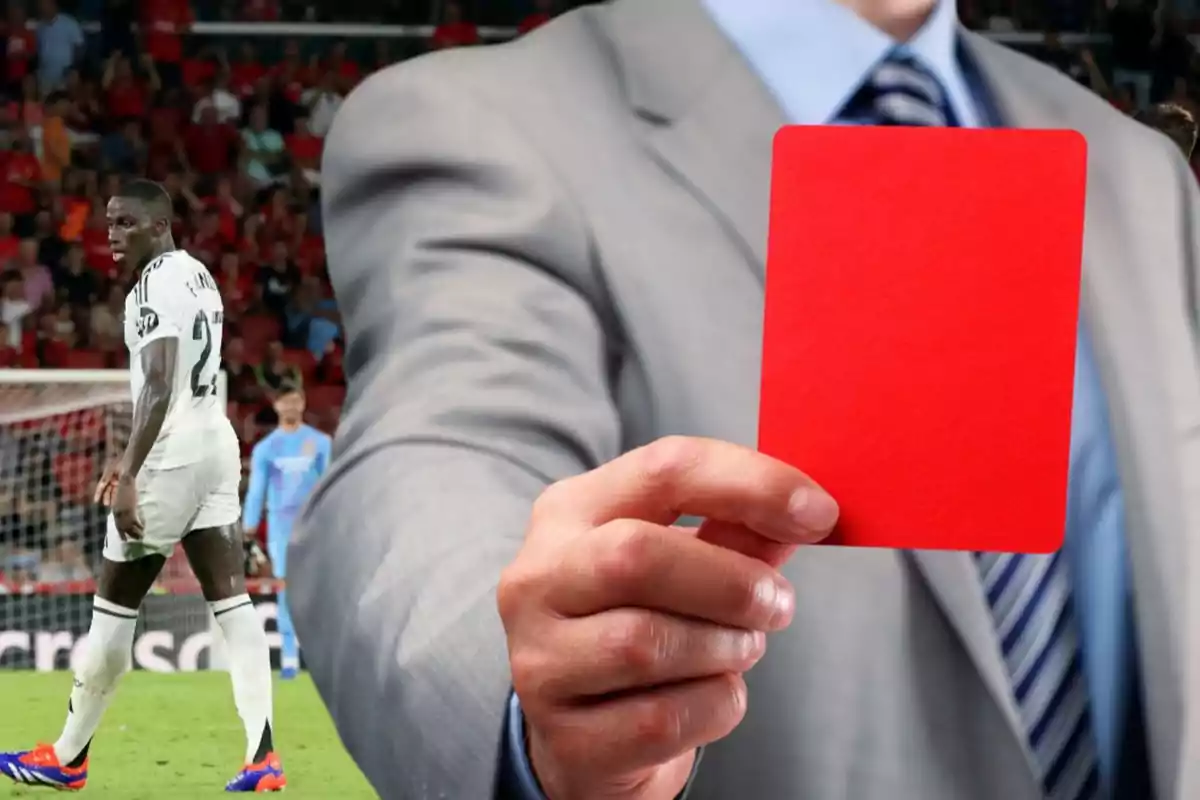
(813, 510)
(757, 646)
(775, 596)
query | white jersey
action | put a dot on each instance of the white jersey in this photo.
(176, 297)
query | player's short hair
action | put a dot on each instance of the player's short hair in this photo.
(152, 194)
(1174, 121)
(287, 387)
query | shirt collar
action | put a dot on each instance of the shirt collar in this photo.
(814, 54)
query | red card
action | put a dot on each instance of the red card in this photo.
(921, 319)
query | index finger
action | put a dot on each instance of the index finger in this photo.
(709, 478)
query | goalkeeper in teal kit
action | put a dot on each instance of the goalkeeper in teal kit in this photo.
(284, 468)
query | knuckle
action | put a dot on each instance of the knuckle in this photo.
(555, 496)
(628, 548)
(661, 722)
(530, 669)
(637, 643)
(664, 460)
(520, 584)
(567, 745)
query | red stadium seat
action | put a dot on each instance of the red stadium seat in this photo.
(302, 360)
(322, 399)
(259, 331)
(57, 355)
(76, 476)
(85, 359)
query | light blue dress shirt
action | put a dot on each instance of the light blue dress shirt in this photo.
(813, 55)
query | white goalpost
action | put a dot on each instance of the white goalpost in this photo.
(58, 429)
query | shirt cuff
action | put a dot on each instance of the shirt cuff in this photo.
(517, 780)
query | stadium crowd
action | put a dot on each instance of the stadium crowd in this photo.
(234, 130)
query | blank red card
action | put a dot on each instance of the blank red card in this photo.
(921, 320)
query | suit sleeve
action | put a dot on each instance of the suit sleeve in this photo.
(478, 366)
(1191, 236)
(256, 491)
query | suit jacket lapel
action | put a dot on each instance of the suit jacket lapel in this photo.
(708, 121)
(1117, 304)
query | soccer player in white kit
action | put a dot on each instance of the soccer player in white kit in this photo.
(177, 482)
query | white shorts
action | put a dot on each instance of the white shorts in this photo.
(176, 501)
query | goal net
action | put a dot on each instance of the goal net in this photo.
(58, 429)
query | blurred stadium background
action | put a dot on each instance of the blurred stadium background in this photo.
(226, 102)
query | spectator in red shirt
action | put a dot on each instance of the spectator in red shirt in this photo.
(543, 11)
(208, 243)
(304, 147)
(228, 208)
(237, 287)
(339, 64)
(278, 215)
(454, 31)
(164, 23)
(20, 180)
(246, 72)
(94, 239)
(210, 146)
(252, 244)
(127, 94)
(291, 74)
(20, 46)
(198, 69)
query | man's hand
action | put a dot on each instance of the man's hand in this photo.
(124, 509)
(628, 637)
(107, 486)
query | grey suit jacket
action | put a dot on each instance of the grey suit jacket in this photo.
(550, 251)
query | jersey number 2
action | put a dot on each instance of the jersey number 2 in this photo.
(202, 331)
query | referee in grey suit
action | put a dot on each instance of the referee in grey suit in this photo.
(549, 258)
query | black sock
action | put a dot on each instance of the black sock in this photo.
(79, 759)
(265, 744)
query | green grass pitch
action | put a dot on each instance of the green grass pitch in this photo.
(178, 736)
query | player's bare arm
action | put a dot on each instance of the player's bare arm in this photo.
(150, 408)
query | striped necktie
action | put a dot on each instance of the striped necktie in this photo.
(1029, 595)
